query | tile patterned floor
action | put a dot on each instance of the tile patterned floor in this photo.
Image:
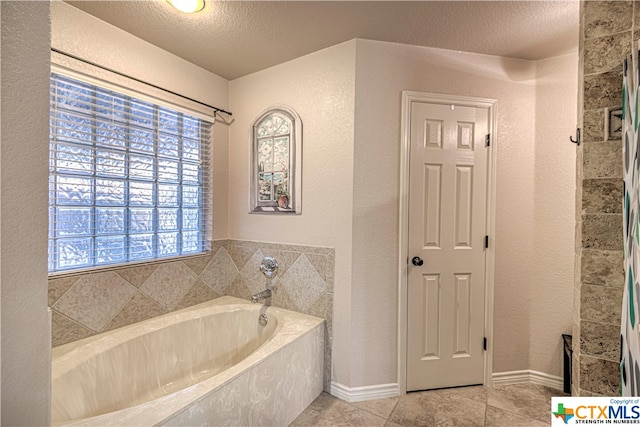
(507, 405)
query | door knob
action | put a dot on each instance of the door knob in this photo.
(417, 261)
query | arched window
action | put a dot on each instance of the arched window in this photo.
(276, 155)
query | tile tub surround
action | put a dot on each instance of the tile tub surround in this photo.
(606, 37)
(271, 384)
(304, 282)
(87, 304)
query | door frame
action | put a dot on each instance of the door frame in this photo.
(408, 98)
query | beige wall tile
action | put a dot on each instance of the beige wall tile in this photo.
(281, 298)
(217, 244)
(197, 264)
(198, 293)
(593, 126)
(331, 269)
(138, 274)
(65, 330)
(605, 40)
(323, 308)
(169, 283)
(601, 340)
(285, 258)
(238, 288)
(220, 272)
(58, 286)
(603, 90)
(602, 195)
(320, 263)
(602, 18)
(601, 304)
(602, 268)
(241, 254)
(303, 283)
(254, 280)
(606, 53)
(602, 160)
(95, 299)
(602, 231)
(139, 308)
(599, 376)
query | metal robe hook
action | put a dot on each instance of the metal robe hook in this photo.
(577, 140)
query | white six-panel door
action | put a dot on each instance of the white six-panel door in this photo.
(448, 171)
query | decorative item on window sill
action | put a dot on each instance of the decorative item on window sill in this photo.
(276, 159)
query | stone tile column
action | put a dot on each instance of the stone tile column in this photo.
(606, 34)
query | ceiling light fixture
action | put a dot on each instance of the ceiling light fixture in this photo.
(187, 6)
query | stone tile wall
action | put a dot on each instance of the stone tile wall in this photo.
(606, 34)
(87, 304)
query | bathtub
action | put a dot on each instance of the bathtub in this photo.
(210, 364)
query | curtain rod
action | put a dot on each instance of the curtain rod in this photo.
(216, 109)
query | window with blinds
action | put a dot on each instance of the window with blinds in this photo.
(128, 179)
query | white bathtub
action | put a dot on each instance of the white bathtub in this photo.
(210, 364)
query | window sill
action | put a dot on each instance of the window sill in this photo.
(271, 210)
(115, 267)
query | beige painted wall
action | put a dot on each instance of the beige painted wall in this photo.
(383, 71)
(534, 199)
(554, 211)
(26, 352)
(357, 211)
(87, 37)
(320, 88)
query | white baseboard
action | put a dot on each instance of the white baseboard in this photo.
(527, 376)
(370, 392)
(381, 391)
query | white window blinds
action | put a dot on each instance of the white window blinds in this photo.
(128, 178)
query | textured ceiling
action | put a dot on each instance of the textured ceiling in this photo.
(235, 38)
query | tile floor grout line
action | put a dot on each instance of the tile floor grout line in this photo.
(368, 412)
(382, 418)
(395, 406)
(486, 409)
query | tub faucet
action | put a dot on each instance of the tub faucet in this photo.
(261, 295)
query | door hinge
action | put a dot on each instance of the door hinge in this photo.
(484, 343)
(486, 242)
(487, 140)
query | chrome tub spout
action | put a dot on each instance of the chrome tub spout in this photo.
(261, 295)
